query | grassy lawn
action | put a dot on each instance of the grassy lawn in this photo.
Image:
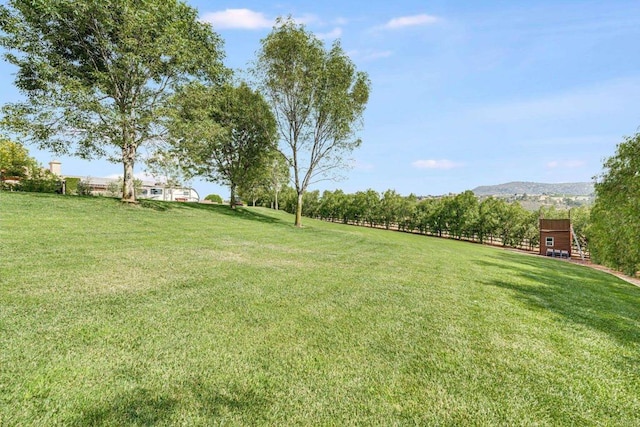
(183, 314)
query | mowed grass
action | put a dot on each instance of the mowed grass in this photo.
(183, 314)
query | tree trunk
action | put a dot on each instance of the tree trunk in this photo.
(232, 202)
(299, 211)
(128, 160)
(276, 205)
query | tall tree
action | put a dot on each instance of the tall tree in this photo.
(225, 135)
(318, 98)
(615, 218)
(488, 222)
(278, 176)
(268, 181)
(164, 166)
(15, 160)
(97, 74)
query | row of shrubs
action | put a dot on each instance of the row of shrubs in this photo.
(47, 183)
(461, 216)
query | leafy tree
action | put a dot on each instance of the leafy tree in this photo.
(289, 199)
(488, 222)
(389, 208)
(366, 204)
(318, 98)
(226, 134)
(97, 74)
(351, 213)
(615, 223)
(581, 221)
(311, 203)
(266, 183)
(407, 213)
(513, 223)
(114, 188)
(165, 166)
(462, 211)
(434, 215)
(15, 160)
(423, 209)
(278, 176)
(531, 228)
(15, 163)
(215, 198)
(332, 206)
(255, 190)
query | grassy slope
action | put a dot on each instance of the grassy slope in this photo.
(192, 314)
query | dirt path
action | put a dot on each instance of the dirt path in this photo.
(633, 280)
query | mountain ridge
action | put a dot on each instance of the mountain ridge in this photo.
(536, 188)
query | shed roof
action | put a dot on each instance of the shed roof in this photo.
(555, 224)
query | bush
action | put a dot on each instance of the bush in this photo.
(72, 185)
(84, 188)
(114, 189)
(214, 198)
(40, 182)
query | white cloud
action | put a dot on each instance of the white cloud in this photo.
(333, 34)
(435, 164)
(237, 18)
(410, 21)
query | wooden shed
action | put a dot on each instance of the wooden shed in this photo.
(555, 237)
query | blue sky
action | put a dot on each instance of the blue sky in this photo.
(463, 93)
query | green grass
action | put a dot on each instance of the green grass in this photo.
(176, 314)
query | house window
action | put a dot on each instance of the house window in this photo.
(548, 241)
(155, 191)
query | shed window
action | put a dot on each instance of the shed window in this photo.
(549, 241)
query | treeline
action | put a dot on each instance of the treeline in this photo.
(615, 218)
(462, 216)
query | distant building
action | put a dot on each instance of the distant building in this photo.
(149, 189)
(555, 237)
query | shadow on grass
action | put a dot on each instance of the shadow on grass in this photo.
(234, 399)
(139, 407)
(239, 212)
(150, 407)
(578, 294)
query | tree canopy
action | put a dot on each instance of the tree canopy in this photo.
(15, 160)
(318, 99)
(615, 225)
(97, 74)
(226, 134)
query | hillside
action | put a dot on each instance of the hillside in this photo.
(191, 314)
(535, 188)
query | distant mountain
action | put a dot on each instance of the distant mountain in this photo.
(531, 188)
